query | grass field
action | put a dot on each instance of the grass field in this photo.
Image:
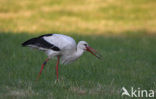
(128, 61)
(123, 31)
(81, 16)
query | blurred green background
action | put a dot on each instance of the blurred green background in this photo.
(123, 31)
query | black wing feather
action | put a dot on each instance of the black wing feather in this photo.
(40, 42)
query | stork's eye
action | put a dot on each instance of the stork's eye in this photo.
(85, 44)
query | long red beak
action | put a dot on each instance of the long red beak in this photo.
(94, 52)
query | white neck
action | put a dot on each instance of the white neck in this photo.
(80, 49)
(79, 52)
(76, 54)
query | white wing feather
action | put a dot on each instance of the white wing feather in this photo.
(63, 42)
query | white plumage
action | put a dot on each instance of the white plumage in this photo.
(62, 46)
(66, 44)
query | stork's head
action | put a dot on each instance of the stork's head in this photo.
(84, 46)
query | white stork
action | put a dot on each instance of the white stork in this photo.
(62, 46)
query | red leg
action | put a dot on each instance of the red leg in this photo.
(58, 59)
(42, 68)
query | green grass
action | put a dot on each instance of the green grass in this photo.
(129, 58)
(127, 61)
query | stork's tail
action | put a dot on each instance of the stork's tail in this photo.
(29, 42)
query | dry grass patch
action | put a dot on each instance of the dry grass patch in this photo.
(89, 16)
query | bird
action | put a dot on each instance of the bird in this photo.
(61, 46)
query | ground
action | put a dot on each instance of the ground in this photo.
(123, 32)
(127, 61)
(81, 16)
